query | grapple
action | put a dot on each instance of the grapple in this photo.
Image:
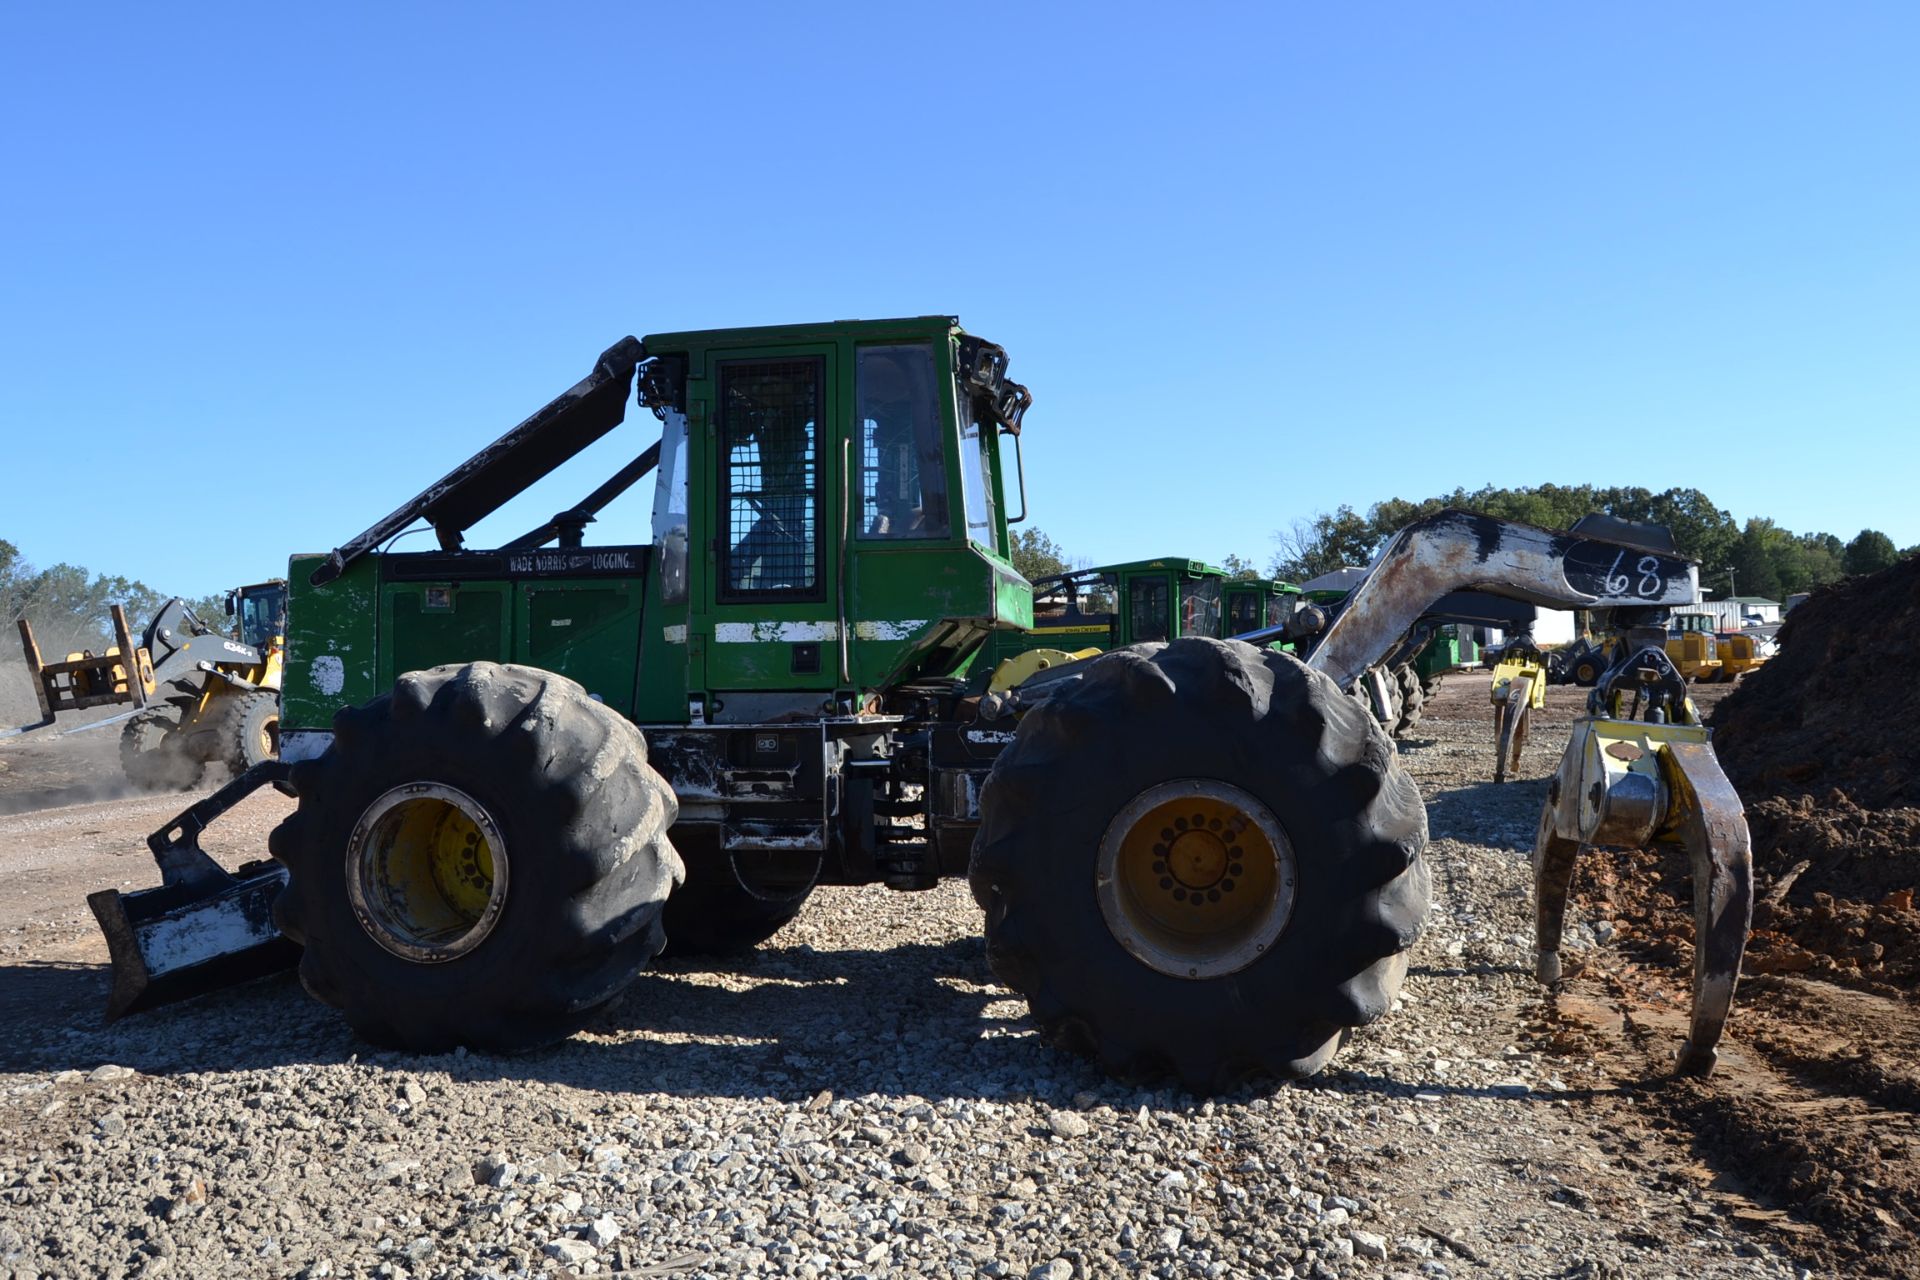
(1519, 688)
(1640, 774)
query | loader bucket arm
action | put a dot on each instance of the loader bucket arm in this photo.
(1603, 564)
(504, 469)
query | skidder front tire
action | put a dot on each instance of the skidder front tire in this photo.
(1203, 858)
(479, 859)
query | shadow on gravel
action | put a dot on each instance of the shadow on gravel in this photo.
(37, 996)
(789, 1022)
(1501, 814)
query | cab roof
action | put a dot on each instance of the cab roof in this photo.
(784, 334)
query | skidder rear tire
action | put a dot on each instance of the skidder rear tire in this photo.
(1206, 766)
(723, 909)
(479, 859)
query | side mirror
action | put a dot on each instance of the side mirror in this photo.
(230, 605)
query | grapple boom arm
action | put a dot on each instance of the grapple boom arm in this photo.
(1610, 565)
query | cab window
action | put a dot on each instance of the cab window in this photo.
(976, 438)
(1243, 613)
(903, 478)
(1200, 607)
(263, 615)
(770, 417)
(1150, 597)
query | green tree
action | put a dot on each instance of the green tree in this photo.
(1323, 544)
(1825, 559)
(1701, 530)
(1870, 552)
(1757, 558)
(70, 607)
(1036, 555)
(1238, 568)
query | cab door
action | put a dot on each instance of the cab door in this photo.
(773, 565)
(1149, 607)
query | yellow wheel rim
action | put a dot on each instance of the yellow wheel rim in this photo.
(1195, 878)
(427, 872)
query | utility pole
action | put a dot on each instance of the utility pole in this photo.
(1731, 590)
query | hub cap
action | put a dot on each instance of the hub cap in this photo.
(1195, 878)
(427, 872)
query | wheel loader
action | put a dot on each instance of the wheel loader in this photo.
(1735, 652)
(523, 770)
(199, 696)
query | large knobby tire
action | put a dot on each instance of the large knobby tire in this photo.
(731, 903)
(250, 730)
(479, 859)
(152, 753)
(1361, 693)
(1193, 717)
(1413, 699)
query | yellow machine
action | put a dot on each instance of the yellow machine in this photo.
(1694, 648)
(1739, 654)
(1017, 669)
(199, 696)
(1519, 687)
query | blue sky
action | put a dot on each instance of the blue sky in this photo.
(1254, 261)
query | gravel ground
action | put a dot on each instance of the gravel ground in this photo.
(856, 1098)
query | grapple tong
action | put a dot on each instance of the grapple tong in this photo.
(1639, 769)
(1519, 687)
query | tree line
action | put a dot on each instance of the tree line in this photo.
(68, 605)
(1757, 558)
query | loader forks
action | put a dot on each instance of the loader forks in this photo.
(86, 679)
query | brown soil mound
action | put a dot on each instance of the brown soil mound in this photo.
(1839, 706)
(1823, 744)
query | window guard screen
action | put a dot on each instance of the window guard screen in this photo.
(1150, 607)
(770, 427)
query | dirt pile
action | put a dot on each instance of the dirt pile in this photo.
(1823, 744)
(1839, 707)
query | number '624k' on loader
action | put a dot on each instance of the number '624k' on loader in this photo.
(523, 771)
